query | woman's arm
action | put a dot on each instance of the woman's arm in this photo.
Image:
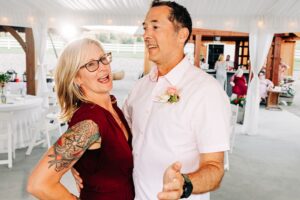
(44, 182)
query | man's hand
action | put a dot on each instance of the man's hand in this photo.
(78, 179)
(172, 183)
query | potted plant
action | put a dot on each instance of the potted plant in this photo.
(4, 78)
(241, 101)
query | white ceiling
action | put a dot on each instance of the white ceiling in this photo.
(283, 15)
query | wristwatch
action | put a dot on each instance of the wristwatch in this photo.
(187, 187)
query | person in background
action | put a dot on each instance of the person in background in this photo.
(239, 84)
(98, 141)
(230, 63)
(283, 68)
(221, 67)
(264, 86)
(203, 64)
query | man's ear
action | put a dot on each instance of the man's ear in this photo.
(183, 34)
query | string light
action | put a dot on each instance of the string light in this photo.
(260, 23)
(109, 21)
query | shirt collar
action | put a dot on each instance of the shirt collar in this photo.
(174, 75)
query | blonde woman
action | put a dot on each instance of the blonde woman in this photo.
(221, 74)
(97, 143)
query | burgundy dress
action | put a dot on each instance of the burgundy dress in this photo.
(240, 87)
(107, 171)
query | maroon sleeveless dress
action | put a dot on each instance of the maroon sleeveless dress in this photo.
(106, 172)
(240, 87)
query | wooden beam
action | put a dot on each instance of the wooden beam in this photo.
(16, 35)
(30, 61)
(197, 52)
(207, 32)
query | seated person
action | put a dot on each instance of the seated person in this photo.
(283, 68)
(264, 86)
(239, 84)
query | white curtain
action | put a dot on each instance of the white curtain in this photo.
(40, 38)
(260, 39)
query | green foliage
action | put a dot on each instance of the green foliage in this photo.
(4, 77)
(127, 40)
(239, 101)
(139, 39)
(103, 38)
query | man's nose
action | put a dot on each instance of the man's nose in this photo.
(147, 34)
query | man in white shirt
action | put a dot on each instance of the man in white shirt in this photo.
(176, 113)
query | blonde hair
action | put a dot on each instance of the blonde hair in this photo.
(71, 59)
(221, 57)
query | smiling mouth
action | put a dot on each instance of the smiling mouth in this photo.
(104, 79)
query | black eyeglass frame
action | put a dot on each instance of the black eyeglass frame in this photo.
(105, 60)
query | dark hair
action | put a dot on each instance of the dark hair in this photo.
(178, 14)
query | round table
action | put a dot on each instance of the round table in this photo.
(26, 112)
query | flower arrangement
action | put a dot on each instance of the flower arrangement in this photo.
(170, 96)
(4, 78)
(239, 101)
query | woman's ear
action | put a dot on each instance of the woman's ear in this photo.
(77, 81)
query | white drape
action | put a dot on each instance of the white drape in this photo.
(40, 38)
(260, 39)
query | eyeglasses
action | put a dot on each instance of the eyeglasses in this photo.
(95, 64)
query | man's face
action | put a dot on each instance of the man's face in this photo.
(161, 38)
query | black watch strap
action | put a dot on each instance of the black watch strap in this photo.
(187, 187)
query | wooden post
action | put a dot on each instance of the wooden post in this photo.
(272, 102)
(197, 51)
(276, 60)
(30, 61)
(236, 54)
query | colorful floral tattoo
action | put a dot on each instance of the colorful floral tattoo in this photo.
(73, 143)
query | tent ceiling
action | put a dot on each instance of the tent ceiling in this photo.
(217, 14)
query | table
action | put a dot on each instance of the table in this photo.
(272, 101)
(26, 111)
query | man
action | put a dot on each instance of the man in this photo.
(192, 130)
(176, 113)
(230, 63)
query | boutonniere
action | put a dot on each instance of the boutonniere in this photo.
(170, 96)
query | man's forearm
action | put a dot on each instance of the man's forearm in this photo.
(207, 178)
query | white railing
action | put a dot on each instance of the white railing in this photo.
(9, 43)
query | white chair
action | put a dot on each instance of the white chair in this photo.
(233, 122)
(49, 122)
(6, 136)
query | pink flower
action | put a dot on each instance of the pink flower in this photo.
(172, 91)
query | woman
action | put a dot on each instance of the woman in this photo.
(221, 74)
(97, 143)
(239, 84)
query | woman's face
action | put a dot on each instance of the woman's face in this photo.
(98, 81)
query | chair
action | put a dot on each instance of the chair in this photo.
(233, 122)
(49, 122)
(6, 128)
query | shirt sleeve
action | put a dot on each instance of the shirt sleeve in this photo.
(211, 121)
(127, 111)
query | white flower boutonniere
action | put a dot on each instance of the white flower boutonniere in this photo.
(170, 96)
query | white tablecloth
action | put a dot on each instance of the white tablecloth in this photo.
(26, 112)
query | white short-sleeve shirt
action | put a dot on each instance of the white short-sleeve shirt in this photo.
(167, 132)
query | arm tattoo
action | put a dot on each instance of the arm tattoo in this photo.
(73, 143)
